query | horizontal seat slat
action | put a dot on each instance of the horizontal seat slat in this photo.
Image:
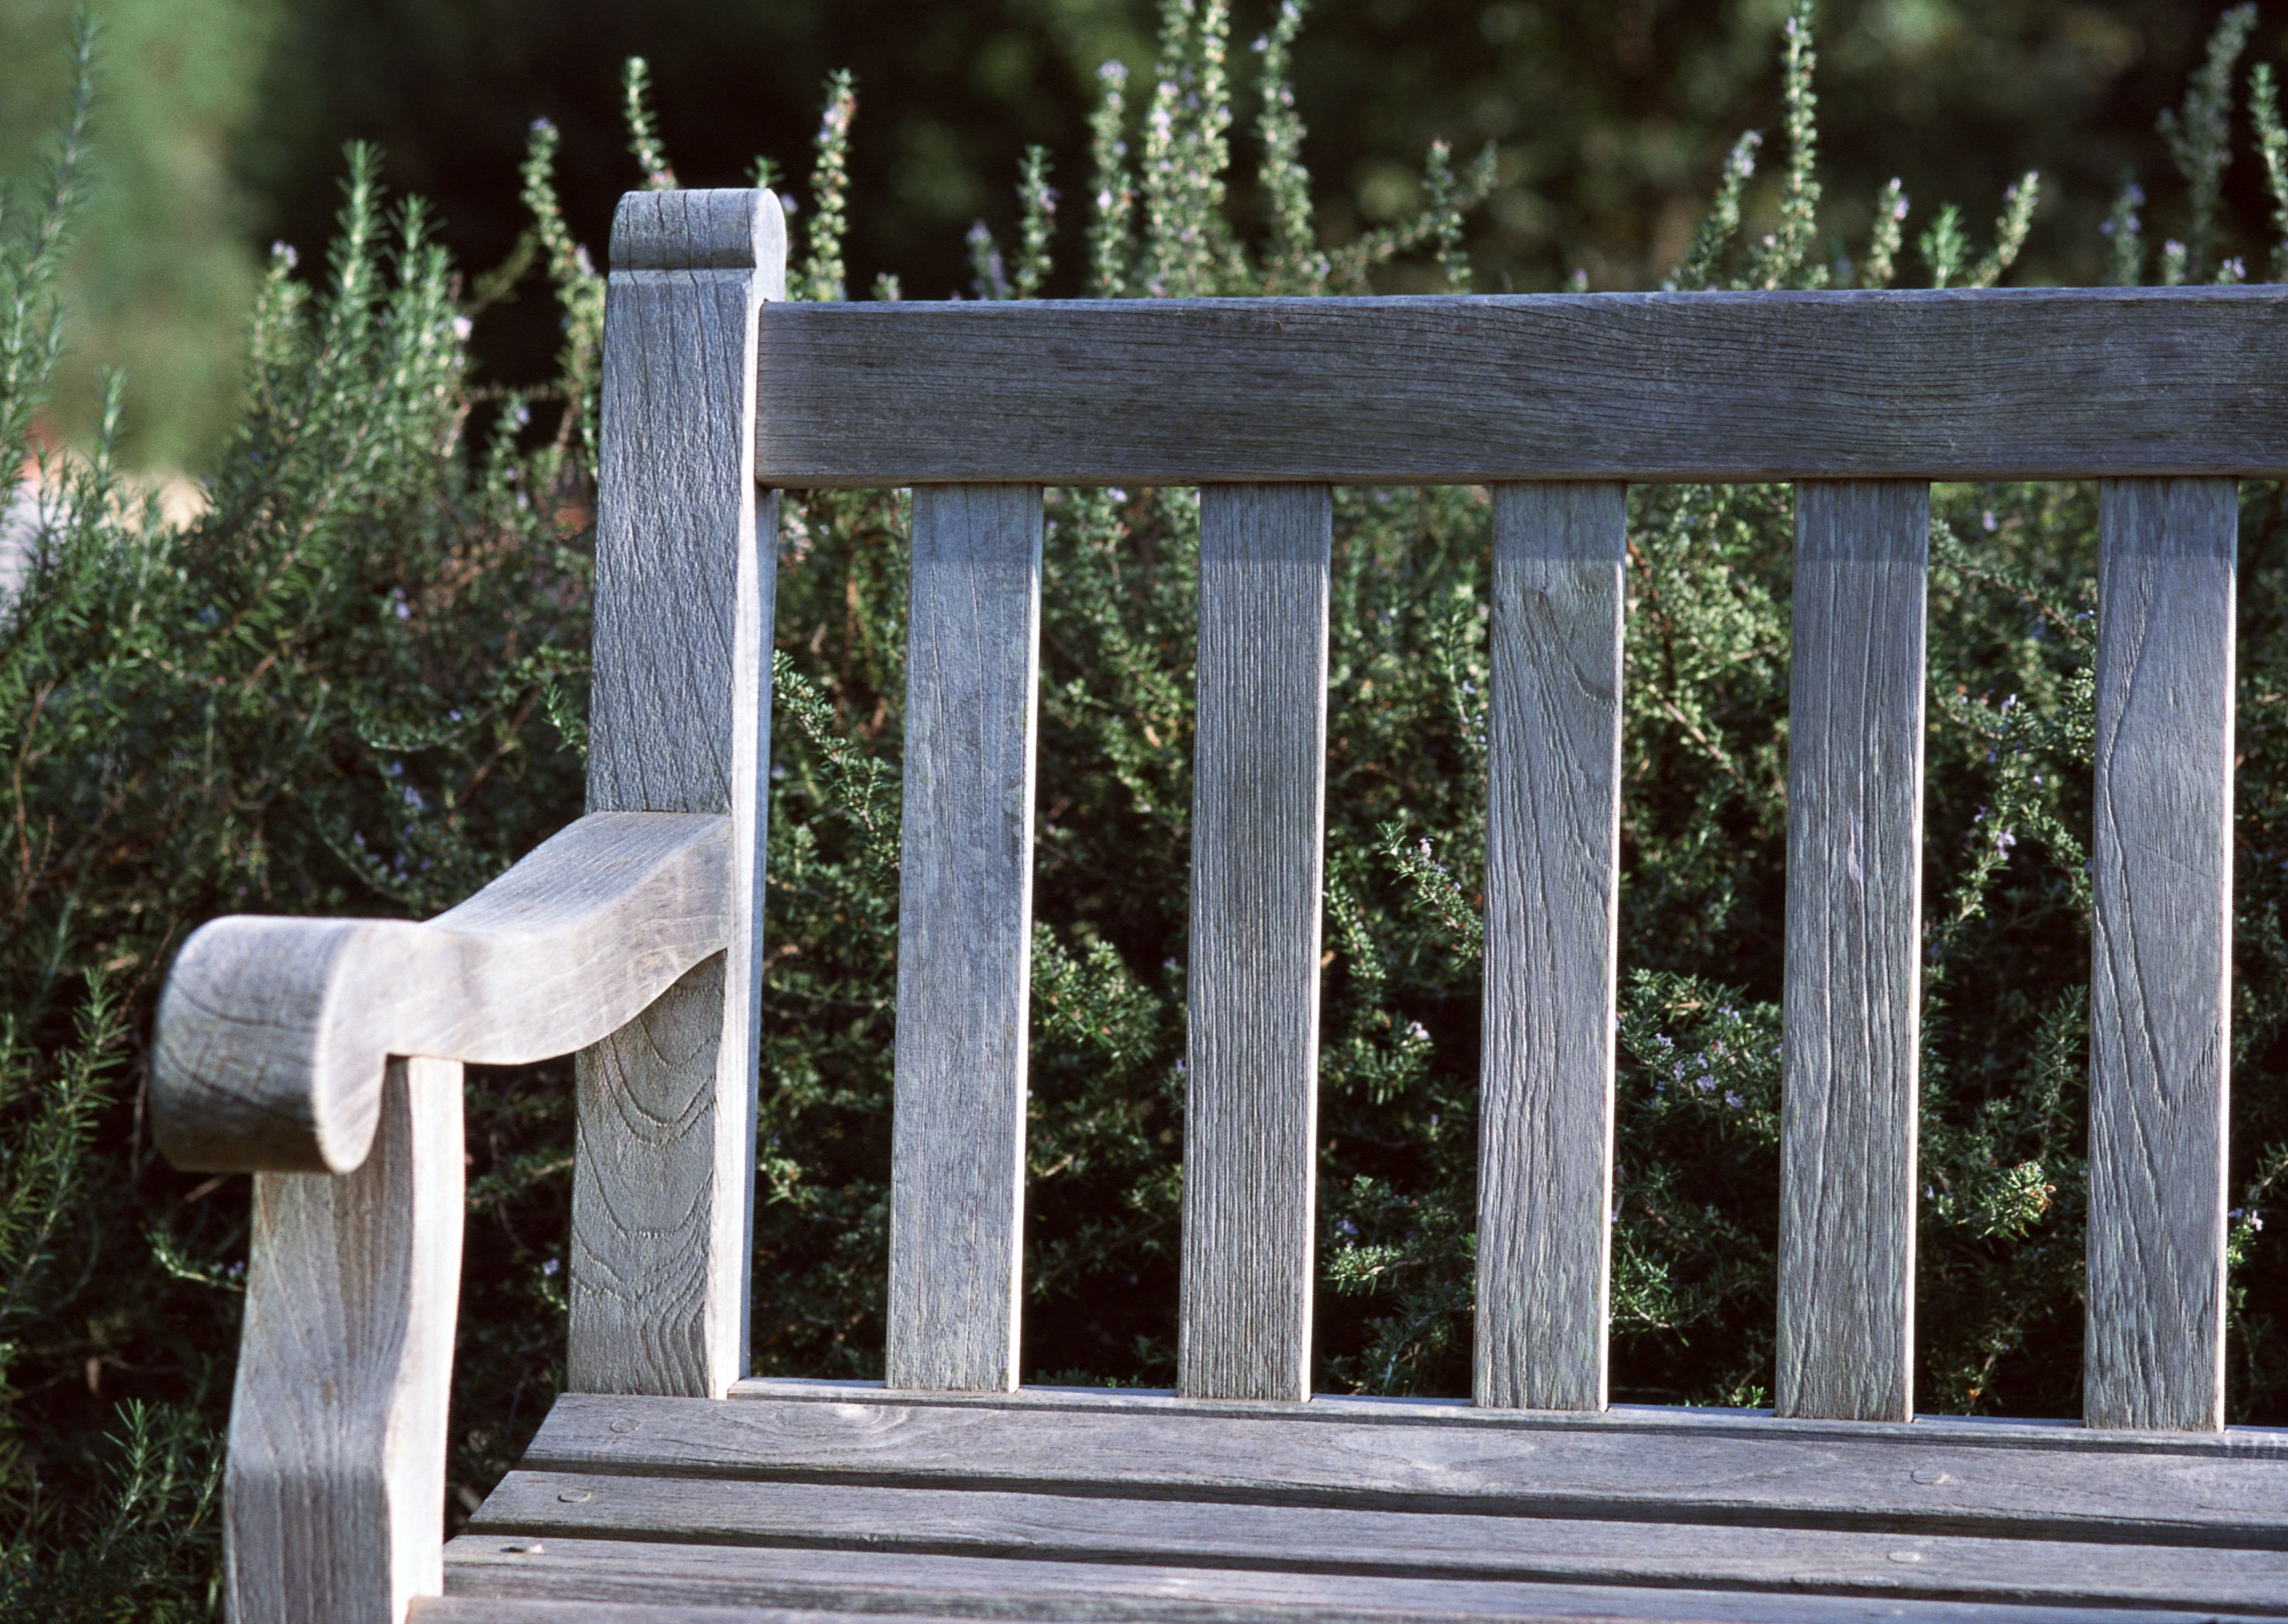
(1771, 1474)
(695, 1576)
(2048, 1435)
(508, 1609)
(1326, 1540)
(1943, 385)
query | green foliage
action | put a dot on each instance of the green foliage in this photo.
(354, 685)
(1038, 201)
(1946, 246)
(2272, 147)
(1778, 261)
(149, 1553)
(1292, 259)
(31, 314)
(145, 1547)
(1884, 237)
(1116, 198)
(51, 1113)
(579, 292)
(327, 694)
(165, 259)
(643, 127)
(2199, 136)
(1188, 247)
(2125, 235)
(821, 276)
(1722, 220)
(2018, 203)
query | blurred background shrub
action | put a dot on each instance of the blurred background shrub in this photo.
(225, 119)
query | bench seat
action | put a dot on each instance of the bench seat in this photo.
(1072, 1503)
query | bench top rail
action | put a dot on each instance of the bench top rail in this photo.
(2038, 383)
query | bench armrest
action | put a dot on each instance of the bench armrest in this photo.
(273, 1034)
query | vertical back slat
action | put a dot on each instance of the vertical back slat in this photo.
(679, 701)
(1257, 804)
(2160, 954)
(1852, 1011)
(1553, 890)
(964, 920)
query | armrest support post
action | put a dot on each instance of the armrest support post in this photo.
(334, 1496)
(282, 1048)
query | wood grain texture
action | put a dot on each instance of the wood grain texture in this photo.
(2160, 954)
(1258, 793)
(1925, 1479)
(679, 721)
(507, 1609)
(695, 229)
(1664, 1421)
(2009, 384)
(678, 583)
(334, 1489)
(700, 1576)
(648, 1313)
(964, 937)
(1852, 1009)
(1317, 1539)
(1552, 897)
(272, 1032)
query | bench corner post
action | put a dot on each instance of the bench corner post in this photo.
(680, 717)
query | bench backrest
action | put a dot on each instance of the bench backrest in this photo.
(713, 391)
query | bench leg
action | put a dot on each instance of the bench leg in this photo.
(334, 1491)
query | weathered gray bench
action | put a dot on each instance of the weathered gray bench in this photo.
(668, 1485)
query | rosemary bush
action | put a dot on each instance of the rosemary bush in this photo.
(355, 686)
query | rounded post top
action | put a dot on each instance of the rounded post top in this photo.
(697, 230)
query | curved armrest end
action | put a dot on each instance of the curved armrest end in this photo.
(261, 1052)
(274, 1034)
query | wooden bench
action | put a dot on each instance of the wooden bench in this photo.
(667, 1485)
